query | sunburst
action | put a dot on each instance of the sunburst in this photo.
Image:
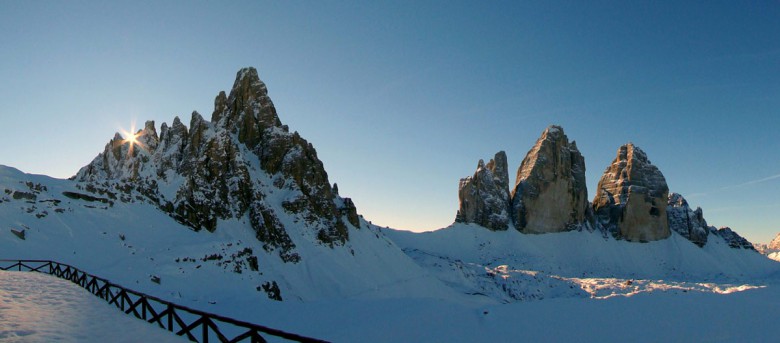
(131, 139)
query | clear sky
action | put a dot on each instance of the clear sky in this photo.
(402, 98)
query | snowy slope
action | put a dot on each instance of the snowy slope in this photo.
(239, 204)
(380, 294)
(671, 316)
(42, 308)
(511, 266)
(128, 243)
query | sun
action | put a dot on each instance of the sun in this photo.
(131, 139)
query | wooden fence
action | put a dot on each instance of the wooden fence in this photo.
(197, 325)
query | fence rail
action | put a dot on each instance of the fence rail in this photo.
(197, 325)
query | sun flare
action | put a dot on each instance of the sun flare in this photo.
(131, 139)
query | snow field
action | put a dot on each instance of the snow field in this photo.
(36, 307)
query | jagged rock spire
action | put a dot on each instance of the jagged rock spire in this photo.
(484, 197)
(632, 196)
(207, 172)
(687, 222)
(550, 194)
(248, 110)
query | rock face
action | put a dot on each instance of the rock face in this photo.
(484, 197)
(632, 201)
(632, 197)
(775, 243)
(227, 168)
(733, 239)
(550, 194)
(685, 221)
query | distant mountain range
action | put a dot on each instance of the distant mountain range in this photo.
(239, 210)
(632, 201)
(771, 250)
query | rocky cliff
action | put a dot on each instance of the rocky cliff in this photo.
(226, 168)
(550, 194)
(632, 201)
(631, 198)
(775, 243)
(685, 221)
(733, 239)
(484, 197)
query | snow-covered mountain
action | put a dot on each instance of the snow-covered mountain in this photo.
(231, 214)
(545, 240)
(238, 206)
(771, 249)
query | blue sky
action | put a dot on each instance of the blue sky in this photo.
(401, 99)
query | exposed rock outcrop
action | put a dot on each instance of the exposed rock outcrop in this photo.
(632, 197)
(632, 201)
(685, 221)
(227, 168)
(775, 243)
(550, 194)
(484, 197)
(732, 238)
(771, 249)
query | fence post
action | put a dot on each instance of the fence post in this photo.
(144, 303)
(170, 317)
(205, 326)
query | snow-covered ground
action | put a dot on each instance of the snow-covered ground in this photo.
(671, 316)
(37, 307)
(511, 266)
(460, 284)
(41, 308)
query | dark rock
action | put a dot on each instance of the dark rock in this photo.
(484, 197)
(733, 239)
(18, 233)
(685, 221)
(272, 290)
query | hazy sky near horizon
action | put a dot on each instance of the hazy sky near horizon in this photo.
(401, 99)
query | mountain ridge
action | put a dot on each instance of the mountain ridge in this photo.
(632, 200)
(244, 206)
(214, 170)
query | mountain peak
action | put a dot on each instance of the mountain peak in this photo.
(550, 194)
(632, 196)
(248, 82)
(229, 168)
(484, 196)
(553, 130)
(247, 110)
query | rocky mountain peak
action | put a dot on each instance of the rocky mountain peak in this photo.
(775, 243)
(228, 169)
(550, 194)
(148, 136)
(685, 221)
(632, 197)
(248, 110)
(632, 201)
(484, 196)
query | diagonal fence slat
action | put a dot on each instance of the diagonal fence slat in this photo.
(142, 306)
